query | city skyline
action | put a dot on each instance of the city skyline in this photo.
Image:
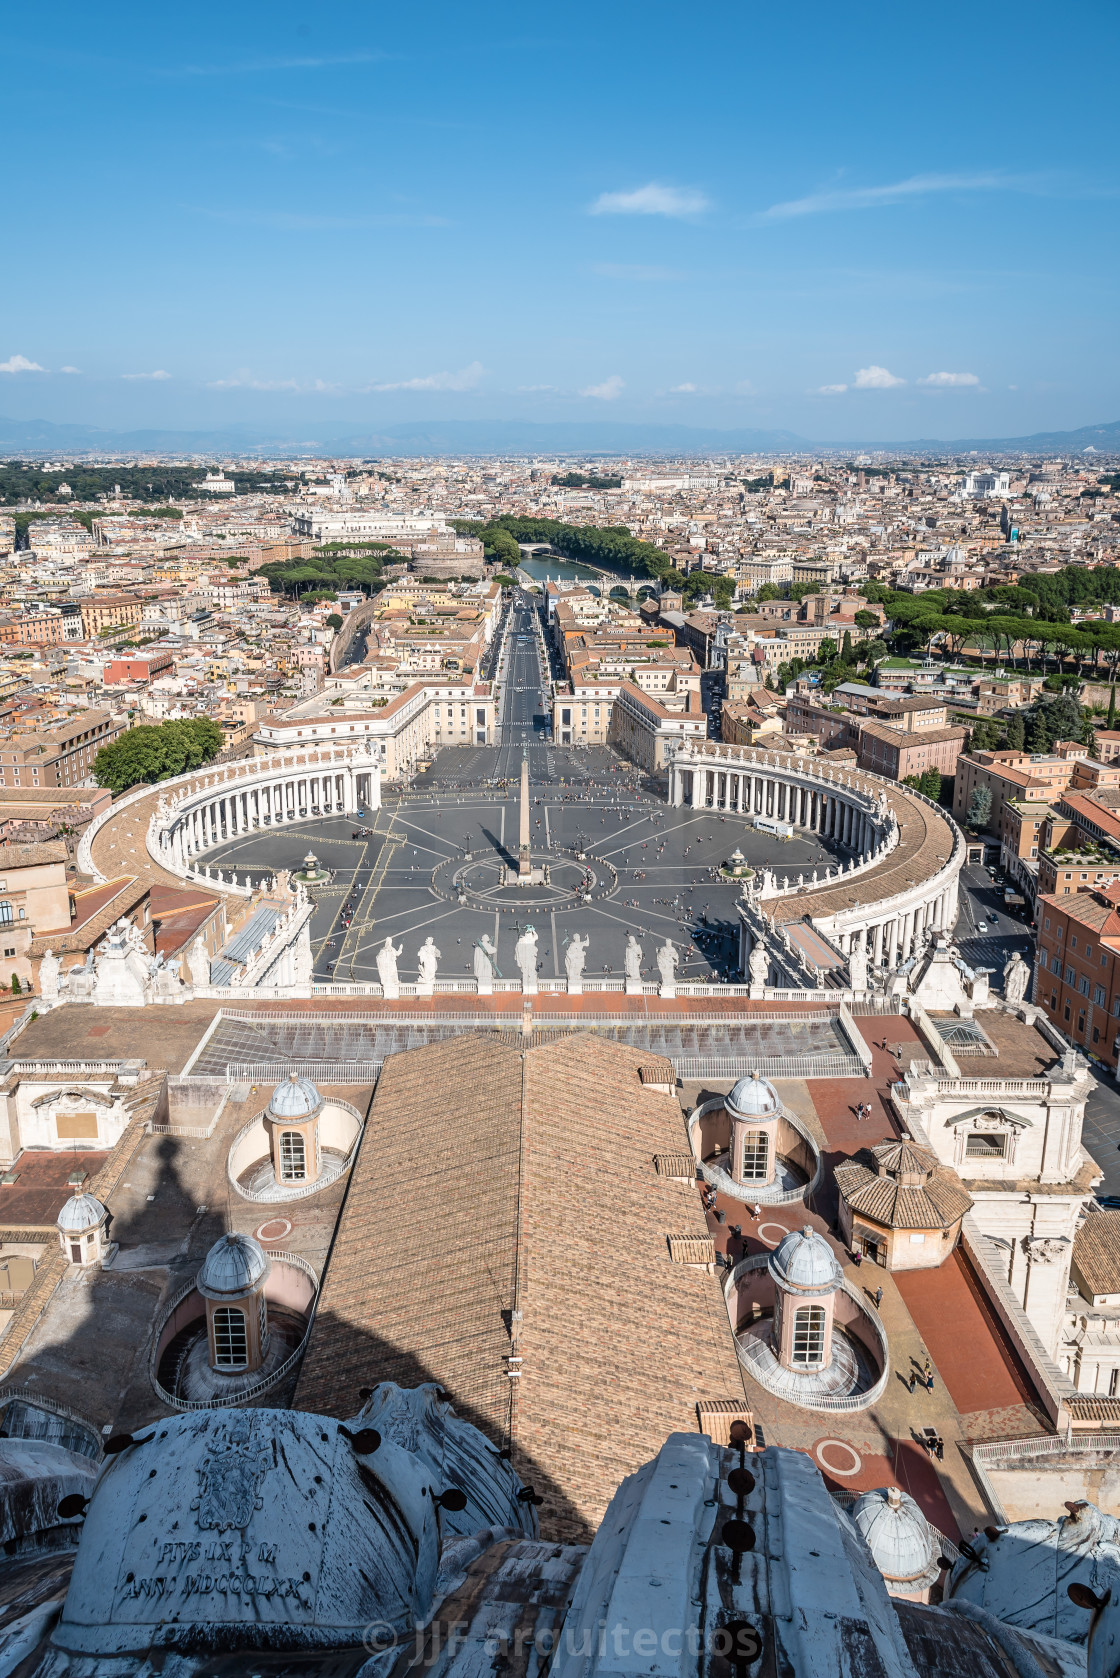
(854, 232)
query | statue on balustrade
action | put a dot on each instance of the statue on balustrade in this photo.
(427, 957)
(574, 958)
(387, 957)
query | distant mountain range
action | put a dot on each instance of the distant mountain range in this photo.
(521, 437)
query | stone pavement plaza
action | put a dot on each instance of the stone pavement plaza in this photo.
(649, 867)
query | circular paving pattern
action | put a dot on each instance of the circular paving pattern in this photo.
(844, 1450)
(565, 880)
(274, 1230)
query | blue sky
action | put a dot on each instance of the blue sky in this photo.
(867, 221)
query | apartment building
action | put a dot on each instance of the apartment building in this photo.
(399, 732)
(109, 611)
(1009, 775)
(42, 627)
(34, 899)
(144, 668)
(1077, 975)
(897, 752)
(61, 756)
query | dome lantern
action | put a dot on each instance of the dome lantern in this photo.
(292, 1121)
(806, 1278)
(754, 1108)
(232, 1281)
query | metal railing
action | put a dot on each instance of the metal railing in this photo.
(689, 1068)
(39, 1401)
(319, 1071)
(998, 1453)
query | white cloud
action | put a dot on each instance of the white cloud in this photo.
(244, 380)
(682, 390)
(875, 378)
(20, 364)
(158, 374)
(871, 197)
(607, 391)
(654, 199)
(465, 379)
(944, 380)
(69, 369)
(831, 390)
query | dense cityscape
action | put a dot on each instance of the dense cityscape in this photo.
(560, 843)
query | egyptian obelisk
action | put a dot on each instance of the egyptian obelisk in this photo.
(524, 853)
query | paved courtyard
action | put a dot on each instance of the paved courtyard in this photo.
(649, 869)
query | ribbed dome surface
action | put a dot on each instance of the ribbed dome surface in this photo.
(898, 1536)
(234, 1265)
(81, 1212)
(295, 1098)
(754, 1098)
(804, 1260)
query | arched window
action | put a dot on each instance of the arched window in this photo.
(756, 1156)
(231, 1343)
(6, 913)
(293, 1157)
(262, 1323)
(808, 1334)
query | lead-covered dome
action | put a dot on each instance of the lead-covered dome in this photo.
(899, 1537)
(296, 1098)
(81, 1212)
(234, 1265)
(804, 1261)
(753, 1098)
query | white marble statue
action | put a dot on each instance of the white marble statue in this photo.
(525, 955)
(427, 958)
(857, 967)
(1016, 978)
(758, 963)
(574, 958)
(632, 959)
(80, 981)
(165, 981)
(49, 969)
(122, 976)
(198, 962)
(667, 961)
(387, 969)
(485, 963)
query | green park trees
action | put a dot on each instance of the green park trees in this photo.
(152, 753)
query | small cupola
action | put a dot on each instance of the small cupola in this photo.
(82, 1228)
(231, 1282)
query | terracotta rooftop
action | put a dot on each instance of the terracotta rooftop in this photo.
(935, 1203)
(1096, 1252)
(494, 1180)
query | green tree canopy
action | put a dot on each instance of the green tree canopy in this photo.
(152, 753)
